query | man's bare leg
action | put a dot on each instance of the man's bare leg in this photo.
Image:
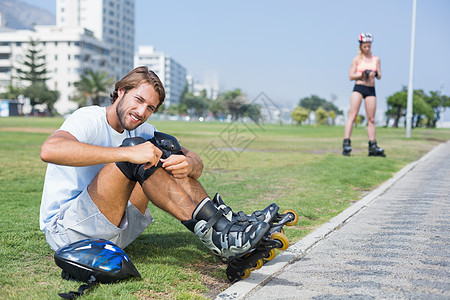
(138, 198)
(110, 191)
(191, 187)
(166, 193)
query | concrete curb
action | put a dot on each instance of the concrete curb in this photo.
(298, 250)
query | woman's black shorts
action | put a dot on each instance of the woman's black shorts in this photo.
(365, 91)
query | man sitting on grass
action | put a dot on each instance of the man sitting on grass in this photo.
(99, 154)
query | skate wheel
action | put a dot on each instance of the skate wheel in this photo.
(282, 238)
(271, 255)
(259, 264)
(293, 212)
(246, 273)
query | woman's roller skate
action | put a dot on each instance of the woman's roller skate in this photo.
(265, 250)
(346, 147)
(227, 239)
(374, 150)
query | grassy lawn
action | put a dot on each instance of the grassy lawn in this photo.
(298, 167)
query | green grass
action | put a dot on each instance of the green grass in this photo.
(298, 167)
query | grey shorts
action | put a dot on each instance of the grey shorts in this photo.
(81, 219)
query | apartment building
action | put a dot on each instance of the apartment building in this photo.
(171, 73)
(111, 21)
(69, 53)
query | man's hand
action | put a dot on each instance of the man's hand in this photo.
(145, 153)
(176, 165)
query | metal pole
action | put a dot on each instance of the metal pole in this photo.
(409, 105)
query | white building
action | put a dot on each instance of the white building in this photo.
(196, 86)
(69, 52)
(170, 72)
(111, 21)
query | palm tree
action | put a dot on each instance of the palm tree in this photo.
(94, 85)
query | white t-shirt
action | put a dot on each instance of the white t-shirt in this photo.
(64, 183)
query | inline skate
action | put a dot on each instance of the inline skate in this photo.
(274, 238)
(374, 150)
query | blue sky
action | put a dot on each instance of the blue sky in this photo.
(293, 49)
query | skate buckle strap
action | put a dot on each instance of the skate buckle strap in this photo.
(241, 217)
(213, 220)
(225, 209)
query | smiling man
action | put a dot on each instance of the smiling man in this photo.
(106, 164)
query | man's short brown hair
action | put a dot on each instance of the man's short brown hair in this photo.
(136, 77)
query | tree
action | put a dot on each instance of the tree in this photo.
(217, 108)
(314, 102)
(359, 120)
(195, 104)
(438, 103)
(93, 86)
(176, 109)
(12, 92)
(253, 111)
(34, 65)
(300, 114)
(397, 107)
(34, 72)
(234, 102)
(332, 115)
(39, 93)
(321, 115)
(183, 93)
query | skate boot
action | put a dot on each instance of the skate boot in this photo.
(241, 267)
(226, 239)
(374, 150)
(346, 147)
(265, 215)
(269, 215)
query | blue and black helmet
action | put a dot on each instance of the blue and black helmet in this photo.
(94, 260)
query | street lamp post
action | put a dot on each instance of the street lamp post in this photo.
(409, 106)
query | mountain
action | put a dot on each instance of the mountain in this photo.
(21, 15)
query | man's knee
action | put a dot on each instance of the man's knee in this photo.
(166, 143)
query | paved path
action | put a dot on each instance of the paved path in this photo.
(393, 244)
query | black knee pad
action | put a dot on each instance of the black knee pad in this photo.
(166, 143)
(134, 141)
(136, 172)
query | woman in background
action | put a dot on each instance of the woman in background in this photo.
(364, 69)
